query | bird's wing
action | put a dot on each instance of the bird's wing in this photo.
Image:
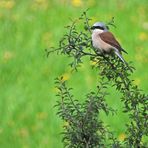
(110, 39)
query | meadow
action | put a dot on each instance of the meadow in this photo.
(27, 92)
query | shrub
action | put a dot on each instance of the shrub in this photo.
(84, 128)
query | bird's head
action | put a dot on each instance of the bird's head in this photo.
(100, 26)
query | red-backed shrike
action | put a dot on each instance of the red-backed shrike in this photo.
(104, 41)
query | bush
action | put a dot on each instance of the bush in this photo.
(84, 129)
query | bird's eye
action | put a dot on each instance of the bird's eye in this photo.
(92, 28)
(97, 27)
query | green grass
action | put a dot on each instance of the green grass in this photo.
(27, 94)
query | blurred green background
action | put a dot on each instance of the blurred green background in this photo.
(27, 94)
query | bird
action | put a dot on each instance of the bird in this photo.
(104, 41)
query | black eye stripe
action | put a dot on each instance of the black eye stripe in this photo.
(97, 27)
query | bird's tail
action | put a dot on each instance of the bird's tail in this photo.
(119, 55)
(121, 58)
(123, 50)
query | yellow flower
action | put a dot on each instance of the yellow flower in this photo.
(7, 4)
(143, 36)
(40, 1)
(141, 55)
(7, 56)
(77, 3)
(66, 76)
(11, 123)
(35, 128)
(46, 37)
(25, 146)
(91, 3)
(137, 81)
(93, 63)
(23, 132)
(42, 115)
(142, 11)
(141, 58)
(122, 137)
(145, 25)
(40, 4)
(1, 130)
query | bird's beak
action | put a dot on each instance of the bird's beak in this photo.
(92, 28)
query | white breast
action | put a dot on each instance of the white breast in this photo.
(99, 44)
